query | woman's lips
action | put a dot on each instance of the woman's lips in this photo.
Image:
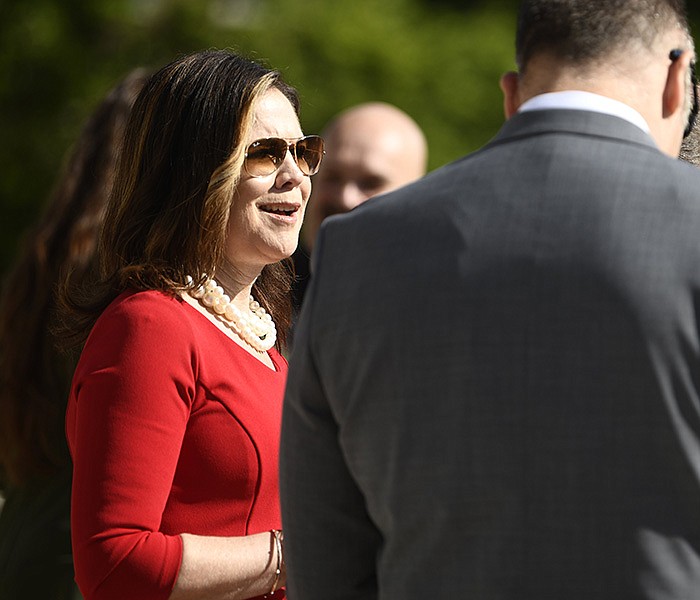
(284, 211)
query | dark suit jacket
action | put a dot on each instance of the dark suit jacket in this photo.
(494, 390)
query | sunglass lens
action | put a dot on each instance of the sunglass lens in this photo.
(265, 156)
(309, 152)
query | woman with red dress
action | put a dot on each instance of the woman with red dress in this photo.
(174, 414)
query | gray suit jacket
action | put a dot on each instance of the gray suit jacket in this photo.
(494, 392)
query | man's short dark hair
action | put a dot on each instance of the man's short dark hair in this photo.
(583, 31)
(690, 150)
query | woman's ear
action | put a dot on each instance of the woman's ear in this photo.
(509, 86)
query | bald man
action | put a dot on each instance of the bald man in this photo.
(371, 148)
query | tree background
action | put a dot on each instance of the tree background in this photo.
(439, 60)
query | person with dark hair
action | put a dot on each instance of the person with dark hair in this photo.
(174, 413)
(35, 469)
(690, 148)
(494, 390)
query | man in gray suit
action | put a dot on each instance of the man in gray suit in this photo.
(494, 392)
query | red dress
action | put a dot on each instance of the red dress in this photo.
(173, 428)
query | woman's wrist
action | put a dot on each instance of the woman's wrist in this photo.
(277, 560)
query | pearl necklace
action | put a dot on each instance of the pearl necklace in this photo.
(257, 329)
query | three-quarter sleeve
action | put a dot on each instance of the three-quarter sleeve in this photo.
(128, 412)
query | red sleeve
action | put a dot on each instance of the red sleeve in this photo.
(129, 407)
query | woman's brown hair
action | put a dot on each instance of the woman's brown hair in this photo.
(34, 377)
(168, 214)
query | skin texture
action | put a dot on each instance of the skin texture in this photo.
(371, 149)
(256, 237)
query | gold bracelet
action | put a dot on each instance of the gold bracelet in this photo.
(277, 538)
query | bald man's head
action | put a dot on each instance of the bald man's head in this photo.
(371, 149)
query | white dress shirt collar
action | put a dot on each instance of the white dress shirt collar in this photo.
(578, 100)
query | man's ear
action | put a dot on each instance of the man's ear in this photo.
(510, 83)
(676, 89)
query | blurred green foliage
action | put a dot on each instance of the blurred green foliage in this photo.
(439, 60)
(59, 57)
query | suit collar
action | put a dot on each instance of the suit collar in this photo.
(577, 122)
(580, 100)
